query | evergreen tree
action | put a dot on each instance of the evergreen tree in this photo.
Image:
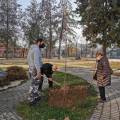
(8, 22)
(31, 22)
(49, 8)
(67, 22)
(101, 22)
(46, 19)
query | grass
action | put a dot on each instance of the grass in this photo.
(43, 111)
(86, 63)
(115, 65)
(1, 69)
(68, 79)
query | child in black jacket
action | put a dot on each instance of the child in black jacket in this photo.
(47, 69)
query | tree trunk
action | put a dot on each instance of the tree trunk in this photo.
(7, 26)
(76, 51)
(50, 43)
(92, 52)
(46, 53)
(50, 32)
(61, 36)
(104, 50)
(7, 48)
(14, 48)
(60, 42)
(67, 49)
(50, 47)
(86, 49)
(59, 50)
(81, 51)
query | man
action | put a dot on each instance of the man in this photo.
(34, 59)
(48, 69)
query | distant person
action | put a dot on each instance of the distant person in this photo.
(34, 59)
(48, 69)
(103, 74)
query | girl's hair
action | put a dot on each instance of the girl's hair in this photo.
(99, 53)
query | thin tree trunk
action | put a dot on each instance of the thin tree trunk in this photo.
(81, 52)
(67, 49)
(7, 27)
(76, 51)
(86, 49)
(7, 47)
(14, 48)
(92, 52)
(50, 32)
(50, 41)
(59, 50)
(60, 42)
(46, 52)
(61, 37)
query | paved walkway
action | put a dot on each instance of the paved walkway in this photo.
(109, 110)
(9, 99)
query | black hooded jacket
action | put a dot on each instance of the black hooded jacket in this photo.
(47, 70)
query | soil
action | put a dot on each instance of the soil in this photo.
(67, 96)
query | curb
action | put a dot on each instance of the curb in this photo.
(12, 85)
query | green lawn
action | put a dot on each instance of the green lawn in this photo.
(42, 111)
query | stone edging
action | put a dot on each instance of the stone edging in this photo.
(12, 84)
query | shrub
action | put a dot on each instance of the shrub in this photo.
(16, 73)
(3, 80)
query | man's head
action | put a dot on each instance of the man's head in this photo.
(40, 42)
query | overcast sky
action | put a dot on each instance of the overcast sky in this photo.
(25, 3)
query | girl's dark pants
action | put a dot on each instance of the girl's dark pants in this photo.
(102, 92)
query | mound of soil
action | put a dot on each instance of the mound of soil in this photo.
(67, 96)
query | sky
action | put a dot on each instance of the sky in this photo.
(25, 3)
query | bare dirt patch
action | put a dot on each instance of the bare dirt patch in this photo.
(67, 96)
